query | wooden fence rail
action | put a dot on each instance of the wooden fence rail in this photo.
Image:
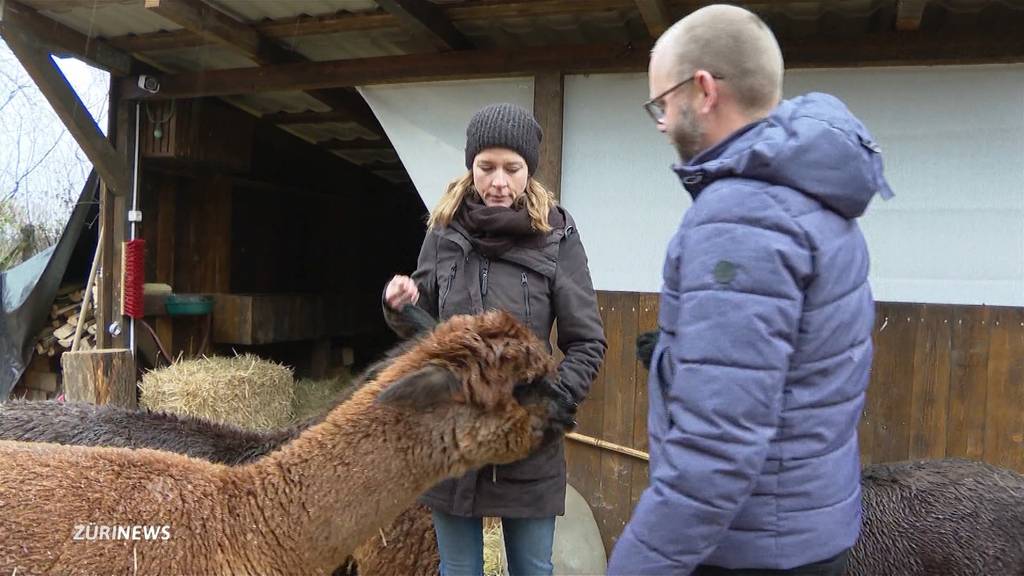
(947, 380)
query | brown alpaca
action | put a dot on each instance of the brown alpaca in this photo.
(409, 547)
(440, 409)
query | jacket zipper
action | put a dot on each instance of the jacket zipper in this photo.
(448, 288)
(483, 277)
(526, 298)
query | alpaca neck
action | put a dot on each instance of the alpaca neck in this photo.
(334, 486)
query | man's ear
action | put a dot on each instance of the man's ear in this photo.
(710, 87)
(424, 388)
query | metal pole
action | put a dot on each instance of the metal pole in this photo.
(132, 215)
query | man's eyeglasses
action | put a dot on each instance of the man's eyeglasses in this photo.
(656, 106)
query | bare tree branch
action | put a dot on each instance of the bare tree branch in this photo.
(31, 169)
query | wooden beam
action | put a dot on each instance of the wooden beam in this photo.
(207, 22)
(893, 48)
(356, 144)
(407, 68)
(382, 165)
(69, 108)
(65, 5)
(909, 14)
(349, 101)
(217, 27)
(428, 21)
(64, 41)
(213, 25)
(327, 24)
(497, 9)
(471, 10)
(656, 16)
(889, 48)
(548, 99)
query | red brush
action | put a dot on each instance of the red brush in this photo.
(133, 266)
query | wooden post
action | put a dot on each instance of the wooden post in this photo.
(320, 360)
(100, 377)
(548, 95)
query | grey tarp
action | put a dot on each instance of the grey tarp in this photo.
(28, 290)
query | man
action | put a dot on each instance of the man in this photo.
(758, 379)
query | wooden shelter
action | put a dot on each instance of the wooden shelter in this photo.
(265, 178)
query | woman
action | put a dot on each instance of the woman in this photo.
(497, 239)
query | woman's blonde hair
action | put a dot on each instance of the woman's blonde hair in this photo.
(538, 199)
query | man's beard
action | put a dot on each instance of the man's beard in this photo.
(687, 134)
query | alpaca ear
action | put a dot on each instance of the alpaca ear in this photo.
(425, 388)
(412, 322)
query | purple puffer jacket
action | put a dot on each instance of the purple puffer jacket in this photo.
(758, 380)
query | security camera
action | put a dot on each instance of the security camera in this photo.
(149, 84)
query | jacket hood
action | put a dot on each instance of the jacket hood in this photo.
(812, 144)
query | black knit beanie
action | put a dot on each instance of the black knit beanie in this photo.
(504, 126)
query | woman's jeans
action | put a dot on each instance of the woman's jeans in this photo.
(528, 543)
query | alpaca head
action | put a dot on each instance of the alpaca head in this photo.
(471, 376)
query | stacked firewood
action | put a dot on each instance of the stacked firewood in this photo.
(58, 335)
(40, 380)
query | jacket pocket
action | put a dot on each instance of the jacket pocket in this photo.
(447, 289)
(662, 365)
(526, 301)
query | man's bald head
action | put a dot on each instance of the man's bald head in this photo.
(730, 42)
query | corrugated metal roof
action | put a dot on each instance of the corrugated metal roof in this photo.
(396, 176)
(269, 102)
(212, 57)
(366, 156)
(356, 44)
(254, 11)
(607, 26)
(104, 19)
(610, 21)
(329, 131)
(111, 18)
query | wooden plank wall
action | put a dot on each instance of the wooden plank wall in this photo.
(615, 410)
(947, 381)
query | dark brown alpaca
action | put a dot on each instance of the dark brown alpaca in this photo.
(947, 517)
(441, 408)
(940, 517)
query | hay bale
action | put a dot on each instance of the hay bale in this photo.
(312, 397)
(246, 391)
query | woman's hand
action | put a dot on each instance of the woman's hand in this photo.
(401, 290)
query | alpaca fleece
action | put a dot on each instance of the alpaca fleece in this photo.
(443, 407)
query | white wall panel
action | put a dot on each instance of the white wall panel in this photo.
(427, 124)
(953, 139)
